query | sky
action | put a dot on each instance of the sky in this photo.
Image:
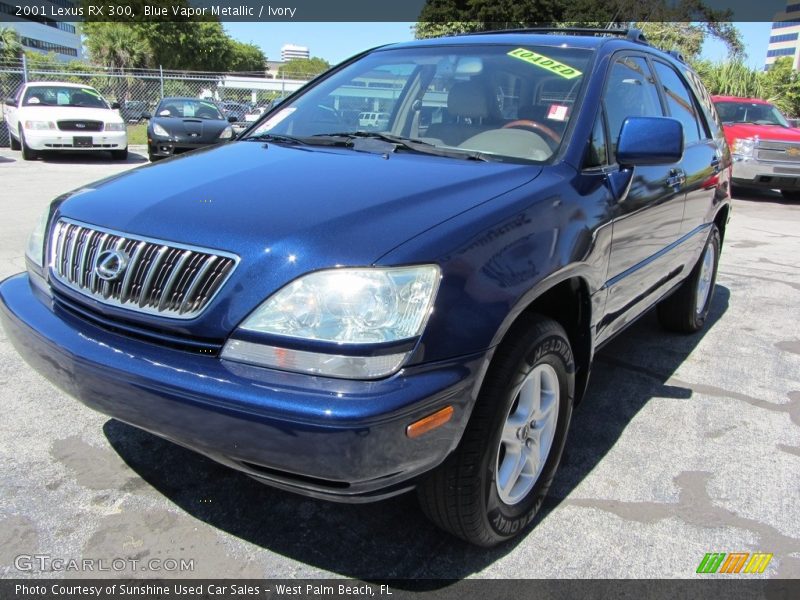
(337, 41)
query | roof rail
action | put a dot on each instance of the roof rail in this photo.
(634, 35)
(677, 56)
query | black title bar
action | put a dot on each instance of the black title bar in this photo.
(528, 11)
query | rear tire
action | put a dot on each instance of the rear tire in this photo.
(119, 154)
(686, 310)
(490, 488)
(793, 195)
(27, 153)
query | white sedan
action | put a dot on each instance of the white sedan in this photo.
(49, 116)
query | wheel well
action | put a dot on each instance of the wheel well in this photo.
(568, 303)
(721, 220)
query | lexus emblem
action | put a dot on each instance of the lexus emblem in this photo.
(110, 264)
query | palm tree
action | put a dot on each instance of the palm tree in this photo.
(9, 44)
(116, 45)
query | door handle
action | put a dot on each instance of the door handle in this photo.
(676, 178)
(715, 164)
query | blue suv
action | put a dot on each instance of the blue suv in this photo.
(349, 312)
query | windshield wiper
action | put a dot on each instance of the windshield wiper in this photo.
(407, 143)
(276, 137)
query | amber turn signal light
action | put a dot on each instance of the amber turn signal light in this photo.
(429, 423)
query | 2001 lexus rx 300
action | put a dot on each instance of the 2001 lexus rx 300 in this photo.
(351, 313)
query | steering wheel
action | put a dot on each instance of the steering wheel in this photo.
(536, 126)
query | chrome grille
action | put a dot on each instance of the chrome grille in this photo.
(778, 151)
(161, 278)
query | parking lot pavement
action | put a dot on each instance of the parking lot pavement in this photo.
(684, 445)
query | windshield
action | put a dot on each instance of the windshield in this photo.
(750, 112)
(56, 95)
(498, 102)
(188, 108)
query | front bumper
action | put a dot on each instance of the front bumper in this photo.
(167, 147)
(65, 140)
(752, 172)
(335, 439)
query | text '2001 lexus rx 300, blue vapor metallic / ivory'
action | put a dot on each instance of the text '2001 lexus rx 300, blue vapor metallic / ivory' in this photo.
(349, 312)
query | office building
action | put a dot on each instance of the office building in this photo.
(783, 39)
(291, 52)
(43, 34)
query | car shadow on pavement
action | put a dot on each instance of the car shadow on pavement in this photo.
(762, 195)
(83, 158)
(392, 539)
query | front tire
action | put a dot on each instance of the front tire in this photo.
(492, 486)
(686, 310)
(27, 153)
(119, 154)
(15, 145)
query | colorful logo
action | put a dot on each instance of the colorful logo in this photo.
(734, 562)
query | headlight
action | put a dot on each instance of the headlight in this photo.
(159, 130)
(35, 248)
(227, 133)
(39, 125)
(365, 306)
(116, 127)
(744, 146)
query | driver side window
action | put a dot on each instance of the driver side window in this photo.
(630, 92)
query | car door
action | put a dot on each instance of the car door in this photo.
(647, 219)
(701, 155)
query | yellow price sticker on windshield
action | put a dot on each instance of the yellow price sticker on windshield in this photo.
(544, 62)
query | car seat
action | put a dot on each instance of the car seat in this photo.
(474, 108)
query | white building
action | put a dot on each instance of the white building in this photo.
(783, 40)
(43, 34)
(290, 52)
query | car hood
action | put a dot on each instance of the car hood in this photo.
(57, 113)
(288, 210)
(765, 132)
(181, 127)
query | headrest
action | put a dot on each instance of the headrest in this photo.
(469, 99)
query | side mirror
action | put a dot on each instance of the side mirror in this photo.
(650, 141)
(232, 119)
(115, 105)
(147, 115)
(11, 102)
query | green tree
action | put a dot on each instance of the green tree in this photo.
(9, 44)
(782, 84)
(246, 57)
(731, 78)
(683, 24)
(116, 45)
(303, 67)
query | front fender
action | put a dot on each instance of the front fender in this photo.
(499, 257)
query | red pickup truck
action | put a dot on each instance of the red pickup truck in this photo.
(765, 148)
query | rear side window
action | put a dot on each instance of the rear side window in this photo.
(630, 92)
(712, 118)
(680, 104)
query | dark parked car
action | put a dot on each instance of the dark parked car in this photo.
(234, 109)
(352, 314)
(133, 111)
(183, 124)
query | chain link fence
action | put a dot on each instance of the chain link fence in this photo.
(138, 91)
